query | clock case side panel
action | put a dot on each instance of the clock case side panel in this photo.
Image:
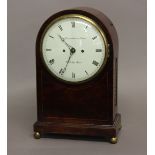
(113, 48)
(113, 42)
(113, 37)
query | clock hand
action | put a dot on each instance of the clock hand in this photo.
(63, 40)
(67, 63)
(72, 51)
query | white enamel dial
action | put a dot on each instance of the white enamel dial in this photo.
(73, 49)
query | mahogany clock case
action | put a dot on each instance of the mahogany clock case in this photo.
(88, 108)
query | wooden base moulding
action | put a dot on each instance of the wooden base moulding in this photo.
(58, 127)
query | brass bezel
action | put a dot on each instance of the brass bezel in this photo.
(97, 27)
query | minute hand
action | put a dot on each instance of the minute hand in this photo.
(68, 61)
(63, 40)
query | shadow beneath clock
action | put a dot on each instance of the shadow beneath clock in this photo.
(76, 137)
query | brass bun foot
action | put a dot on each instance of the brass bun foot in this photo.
(113, 140)
(36, 135)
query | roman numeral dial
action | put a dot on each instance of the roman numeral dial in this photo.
(73, 75)
(73, 24)
(94, 37)
(60, 27)
(73, 49)
(95, 63)
(98, 50)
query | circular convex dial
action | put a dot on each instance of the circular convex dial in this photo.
(74, 48)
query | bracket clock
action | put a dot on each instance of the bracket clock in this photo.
(76, 66)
